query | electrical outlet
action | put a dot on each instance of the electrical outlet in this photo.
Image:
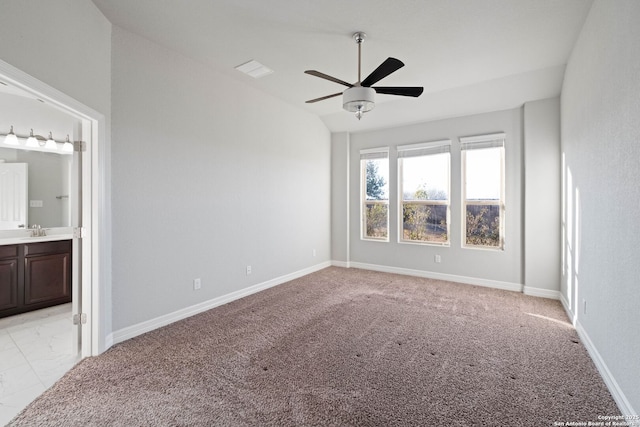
(437, 259)
(314, 252)
(197, 284)
(248, 270)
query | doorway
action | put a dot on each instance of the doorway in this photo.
(89, 207)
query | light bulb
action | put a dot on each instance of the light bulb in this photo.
(51, 144)
(67, 147)
(11, 138)
(32, 141)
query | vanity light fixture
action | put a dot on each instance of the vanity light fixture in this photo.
(51, 143)
(32, 141)
(11, 138)
(36, 142)
(67, 147)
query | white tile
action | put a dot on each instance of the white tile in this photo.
(35, 351)
(50, 371)
(6, 341)
(14, 380)
(12, 404)
(35, 317)
(11, 358)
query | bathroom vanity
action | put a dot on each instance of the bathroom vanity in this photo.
(34, 273)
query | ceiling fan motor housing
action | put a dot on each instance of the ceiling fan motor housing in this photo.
(358, 98)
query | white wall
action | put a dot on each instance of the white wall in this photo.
(340, 198)
(488, 267)
(209, 176)
(601, 145)
(67, 45)
(64, 43)
(542, 197)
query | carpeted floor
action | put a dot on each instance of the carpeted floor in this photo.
(342, 347)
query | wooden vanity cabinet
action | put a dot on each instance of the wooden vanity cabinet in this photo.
(34, 276)
(8, 277)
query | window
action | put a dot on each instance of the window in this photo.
(423, 174)
(483, 190)
(374, 169)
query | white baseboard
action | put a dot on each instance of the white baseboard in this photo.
(567, 309)
(440, 276)
(543, 293)
(343, 264)
(149, 325)
(617, 394)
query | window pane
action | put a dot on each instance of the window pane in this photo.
(426, 177)
(376, 220)
(483, 174)
(377, 179)
(483, 225)
(424, 223)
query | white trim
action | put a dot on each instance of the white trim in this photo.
(440, 276)
(540, 292)
(616, 392)
(375, 150)
(342, 264)
(421, 145)
(482, 138)
(166, 319)
(98, 266)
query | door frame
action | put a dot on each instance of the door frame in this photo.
(96, 254)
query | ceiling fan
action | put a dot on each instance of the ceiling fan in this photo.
(359, 97)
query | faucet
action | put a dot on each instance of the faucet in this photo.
(38, 231)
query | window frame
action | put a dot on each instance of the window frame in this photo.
(372, 154)
(497, 140)
(421, 150)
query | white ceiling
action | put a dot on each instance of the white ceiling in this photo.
(471, 56)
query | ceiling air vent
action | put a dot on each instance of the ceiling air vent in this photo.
(254, 69)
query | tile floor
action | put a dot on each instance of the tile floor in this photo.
(35, 351)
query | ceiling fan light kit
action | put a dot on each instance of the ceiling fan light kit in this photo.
(359, 100)
(360, 96)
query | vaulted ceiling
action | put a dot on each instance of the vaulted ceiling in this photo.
(471, 56)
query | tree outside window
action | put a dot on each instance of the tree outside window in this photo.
(375, 195)
(423, 173)
(483, 191)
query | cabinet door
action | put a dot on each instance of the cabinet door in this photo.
(47, 278)
(8, 283)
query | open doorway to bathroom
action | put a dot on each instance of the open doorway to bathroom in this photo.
(48, 248)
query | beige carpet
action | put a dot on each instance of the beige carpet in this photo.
(342, 347)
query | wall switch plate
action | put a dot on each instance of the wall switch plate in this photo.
(437, 258)
(248, 270)
(197, 284)
(584, 306)
(35, 203)
(314, 252)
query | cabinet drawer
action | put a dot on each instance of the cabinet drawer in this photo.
(62, 246)
(9, 251)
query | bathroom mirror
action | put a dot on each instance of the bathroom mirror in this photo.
(48, 197)
(47, 190)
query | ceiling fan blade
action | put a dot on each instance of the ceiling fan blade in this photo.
(327, 77)
(389, 66)
(402, 91)
(311, 101)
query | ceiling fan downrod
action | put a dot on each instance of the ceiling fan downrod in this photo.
(359, 38)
